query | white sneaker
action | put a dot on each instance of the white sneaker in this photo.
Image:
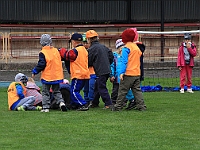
(182, 91)
(190, 91)
(62, 106)
(44, 110)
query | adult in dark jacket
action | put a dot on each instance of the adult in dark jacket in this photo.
(100, 57)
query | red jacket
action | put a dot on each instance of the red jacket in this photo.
(181, 59)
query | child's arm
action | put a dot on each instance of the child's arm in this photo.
(20, 91)
(41, 64)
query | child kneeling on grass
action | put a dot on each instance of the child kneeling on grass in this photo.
(17, 99)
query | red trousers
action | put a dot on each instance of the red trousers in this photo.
(186, 76)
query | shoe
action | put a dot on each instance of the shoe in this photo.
(44, 110)
(21, 108)
(62, 106)
(108, 107)
(131, 105)
(38, 108)
(94, 106)
(190, 91)
(182, 91)
(83, 108)
(115, 109)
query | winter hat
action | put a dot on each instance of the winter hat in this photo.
(20, 77)
(128, 35)
(45, 40)
(136, 34)
(119, 43)
(91, 33)
(187, 36)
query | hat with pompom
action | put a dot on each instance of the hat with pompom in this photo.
(128, 35)
(45, 40)
(119, 43)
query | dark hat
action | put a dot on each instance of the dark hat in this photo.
(187, 36)
(76, 37)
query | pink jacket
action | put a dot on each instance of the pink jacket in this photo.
(181, 60)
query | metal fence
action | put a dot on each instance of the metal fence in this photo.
(20, 46)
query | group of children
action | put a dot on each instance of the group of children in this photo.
(90, 64)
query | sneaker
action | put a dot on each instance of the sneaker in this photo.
(38, 108)
(44, 110)
(20, 108)
(62, 106)
(108, 107)
(94, 106)
(182, 91)
(131, 105)
(190, 91)
(83, 108)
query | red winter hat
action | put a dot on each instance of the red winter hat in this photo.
(128, 35)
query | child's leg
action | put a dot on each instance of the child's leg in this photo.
(27, 103)
(46, 96)
(57, 94)
(86, 91)
(114, 93)
(76, 87)
(91, 88)
(102, 89)
(189, 76)
(182, 77)
(138, 94)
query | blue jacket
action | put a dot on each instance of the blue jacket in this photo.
(115, 71)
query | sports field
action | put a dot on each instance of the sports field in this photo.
(171, 122)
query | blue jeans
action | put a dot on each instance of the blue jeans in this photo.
(89, 88)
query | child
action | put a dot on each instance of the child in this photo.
(89, 86)
(114, 76)
(141, 46)
(100, 57)
(185, 62)
(50, 66)
(79, 71)
(33, 90)
(130, 72)
(17, 99)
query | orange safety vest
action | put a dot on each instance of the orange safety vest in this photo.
(54, 69)
(133, 65)
(79, 68)
(12, 93)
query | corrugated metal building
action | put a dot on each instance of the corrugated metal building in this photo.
(98, 11)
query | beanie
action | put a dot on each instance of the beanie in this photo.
(45, 40)
(136, 34)
(119, 43)
(128, 35)
(187, 36)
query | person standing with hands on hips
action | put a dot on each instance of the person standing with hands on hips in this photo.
(185, 62)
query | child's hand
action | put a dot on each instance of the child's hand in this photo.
(112, 79)
(121, 76)
(32, 75)
(180, 68)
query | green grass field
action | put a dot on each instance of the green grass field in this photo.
(171, 122)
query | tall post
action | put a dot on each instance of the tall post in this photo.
(162, 29)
